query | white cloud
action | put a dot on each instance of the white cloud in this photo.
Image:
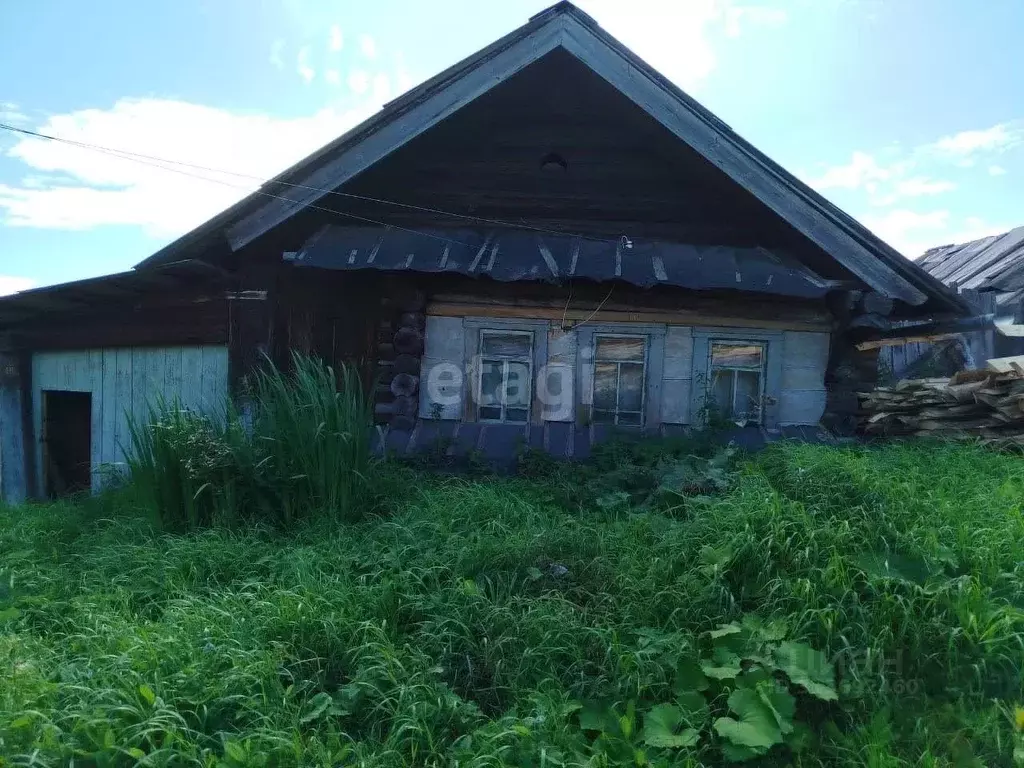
(336, 41)
(306, 72)
(11, 113)
(77, 188)
(368, 46)
(403, 78)
(915, 186)
(908, 231)
(996, 170)
(968, 143)
(754, 15)
(975, 228)
(333, 77)
(381, 88)
(359, 81)
(862, 171)
(10, 284)
(276, 51)
(913, 233)
(918, 186)
(679, 44)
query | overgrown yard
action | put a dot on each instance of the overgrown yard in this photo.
(584, 615)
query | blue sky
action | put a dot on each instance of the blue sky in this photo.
(907, 113)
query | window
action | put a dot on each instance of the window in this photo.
(506, 375)
(619, 377)
(737, 379)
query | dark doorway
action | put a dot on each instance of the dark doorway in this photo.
(67, 438)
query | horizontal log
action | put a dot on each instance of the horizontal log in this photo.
(575, 316)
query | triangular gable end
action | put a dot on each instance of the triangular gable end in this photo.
(566, 27)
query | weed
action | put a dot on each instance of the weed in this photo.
(300, 448)
(501, 621)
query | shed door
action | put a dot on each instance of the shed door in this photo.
(67, 433)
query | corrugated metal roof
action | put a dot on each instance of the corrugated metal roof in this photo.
(517, 255)
(989, 263)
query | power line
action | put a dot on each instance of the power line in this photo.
(127, 155)
(158, 163)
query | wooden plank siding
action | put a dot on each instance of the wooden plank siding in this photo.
(124, 383)
(15, 484)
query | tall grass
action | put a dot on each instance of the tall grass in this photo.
(299, 447)
(466, 627)
(312, 436)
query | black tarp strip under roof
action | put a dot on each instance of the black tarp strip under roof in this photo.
(511, 255)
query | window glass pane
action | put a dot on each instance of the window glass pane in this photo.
(490, 381)
(630, 419)
(517, 384)
(736, 355)
(604, 386)
(748, 394)
(721, 392)
(491, 413)
(631, 387)
(604, 417)
(610, 348)
(506, 344)
(516, 414)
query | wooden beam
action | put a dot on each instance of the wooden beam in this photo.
(577, 316)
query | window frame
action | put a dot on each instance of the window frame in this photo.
(655, 335)
(761, 371)
(645, 339)
(471, 326)
(772, 376)
(528, 360)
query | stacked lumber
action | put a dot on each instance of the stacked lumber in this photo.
(984, 405)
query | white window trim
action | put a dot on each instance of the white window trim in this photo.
(771, 387)
(472, 328)
(653, 373)
(761, 370)
(505, 360)
(645, 364)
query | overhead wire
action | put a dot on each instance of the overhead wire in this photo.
(165, 163)
(158, 163)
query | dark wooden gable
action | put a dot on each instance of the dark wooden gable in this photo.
(624, 174)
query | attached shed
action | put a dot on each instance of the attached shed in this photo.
(545, 243)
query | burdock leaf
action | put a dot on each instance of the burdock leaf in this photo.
(662, 728)
(757, 726)
(808, 668)
(689, 676)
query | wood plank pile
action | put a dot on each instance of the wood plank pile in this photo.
(986, 405)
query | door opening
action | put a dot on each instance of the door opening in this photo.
(67, 438)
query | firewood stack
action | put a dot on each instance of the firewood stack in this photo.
(972, 404)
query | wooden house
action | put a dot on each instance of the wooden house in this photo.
(545, 242)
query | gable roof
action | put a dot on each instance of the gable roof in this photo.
(989, 263)
(563, 26)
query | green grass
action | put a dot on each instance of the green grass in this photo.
(471, 621)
